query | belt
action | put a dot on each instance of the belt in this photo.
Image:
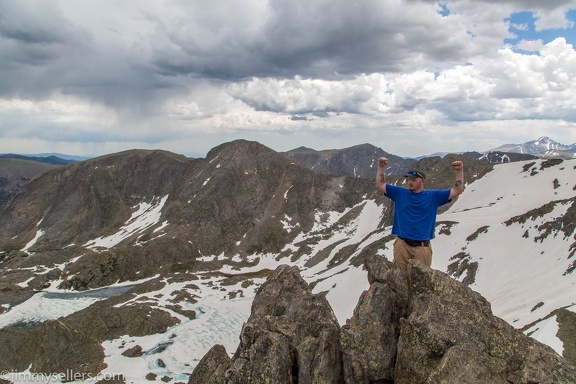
(416, 243)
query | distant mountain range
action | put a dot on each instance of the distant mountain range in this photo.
(357, 161)
(59, 158)
(542, 146)
(48, 159)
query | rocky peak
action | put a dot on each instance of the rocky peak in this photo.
(242, 150)
(419, 326)
(357, 161)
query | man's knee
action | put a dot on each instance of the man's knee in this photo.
(401, 262)
(424, 256)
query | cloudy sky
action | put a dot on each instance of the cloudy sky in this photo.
(413, 77)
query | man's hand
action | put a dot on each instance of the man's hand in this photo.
(457, 166)
(382, 162)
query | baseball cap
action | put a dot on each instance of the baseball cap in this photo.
(415, 174)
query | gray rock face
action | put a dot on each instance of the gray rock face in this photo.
(291, 336)
(356, 161)
(419, 326)
(368, 336)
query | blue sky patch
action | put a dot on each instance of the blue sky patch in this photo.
(522, 24)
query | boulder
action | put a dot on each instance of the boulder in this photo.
(135, 351)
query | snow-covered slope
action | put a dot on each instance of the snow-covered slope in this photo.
(512, 223)
(498, 235)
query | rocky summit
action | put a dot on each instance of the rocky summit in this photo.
(419, 326)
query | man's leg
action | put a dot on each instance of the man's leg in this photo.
(424, 255)
(402, 253)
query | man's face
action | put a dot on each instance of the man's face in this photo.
(415, 184)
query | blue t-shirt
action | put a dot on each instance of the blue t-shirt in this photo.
(415, 213)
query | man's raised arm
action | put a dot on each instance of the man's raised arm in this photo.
(381, 175)
(458, 186)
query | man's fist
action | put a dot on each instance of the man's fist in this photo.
(382, 162)
(457, 165)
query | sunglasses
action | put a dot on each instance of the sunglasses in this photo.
(415, 174)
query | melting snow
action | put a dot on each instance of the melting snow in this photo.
(39, 234)
(50, 305)
(146, 216)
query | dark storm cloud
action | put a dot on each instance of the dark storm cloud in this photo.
(37, 48)
(43, 51)
(313, 39)
(40, 24)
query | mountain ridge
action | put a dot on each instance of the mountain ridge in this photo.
(49, 159)
(237, 192)
(355, 161)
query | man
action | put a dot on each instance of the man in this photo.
(415, 210)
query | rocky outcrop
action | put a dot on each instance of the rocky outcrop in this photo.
(452, 336)
(419, 326)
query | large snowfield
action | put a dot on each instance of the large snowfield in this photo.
(523, 279)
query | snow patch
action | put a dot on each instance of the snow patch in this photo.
(146, 216)
(545, 332)
(39, 234)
